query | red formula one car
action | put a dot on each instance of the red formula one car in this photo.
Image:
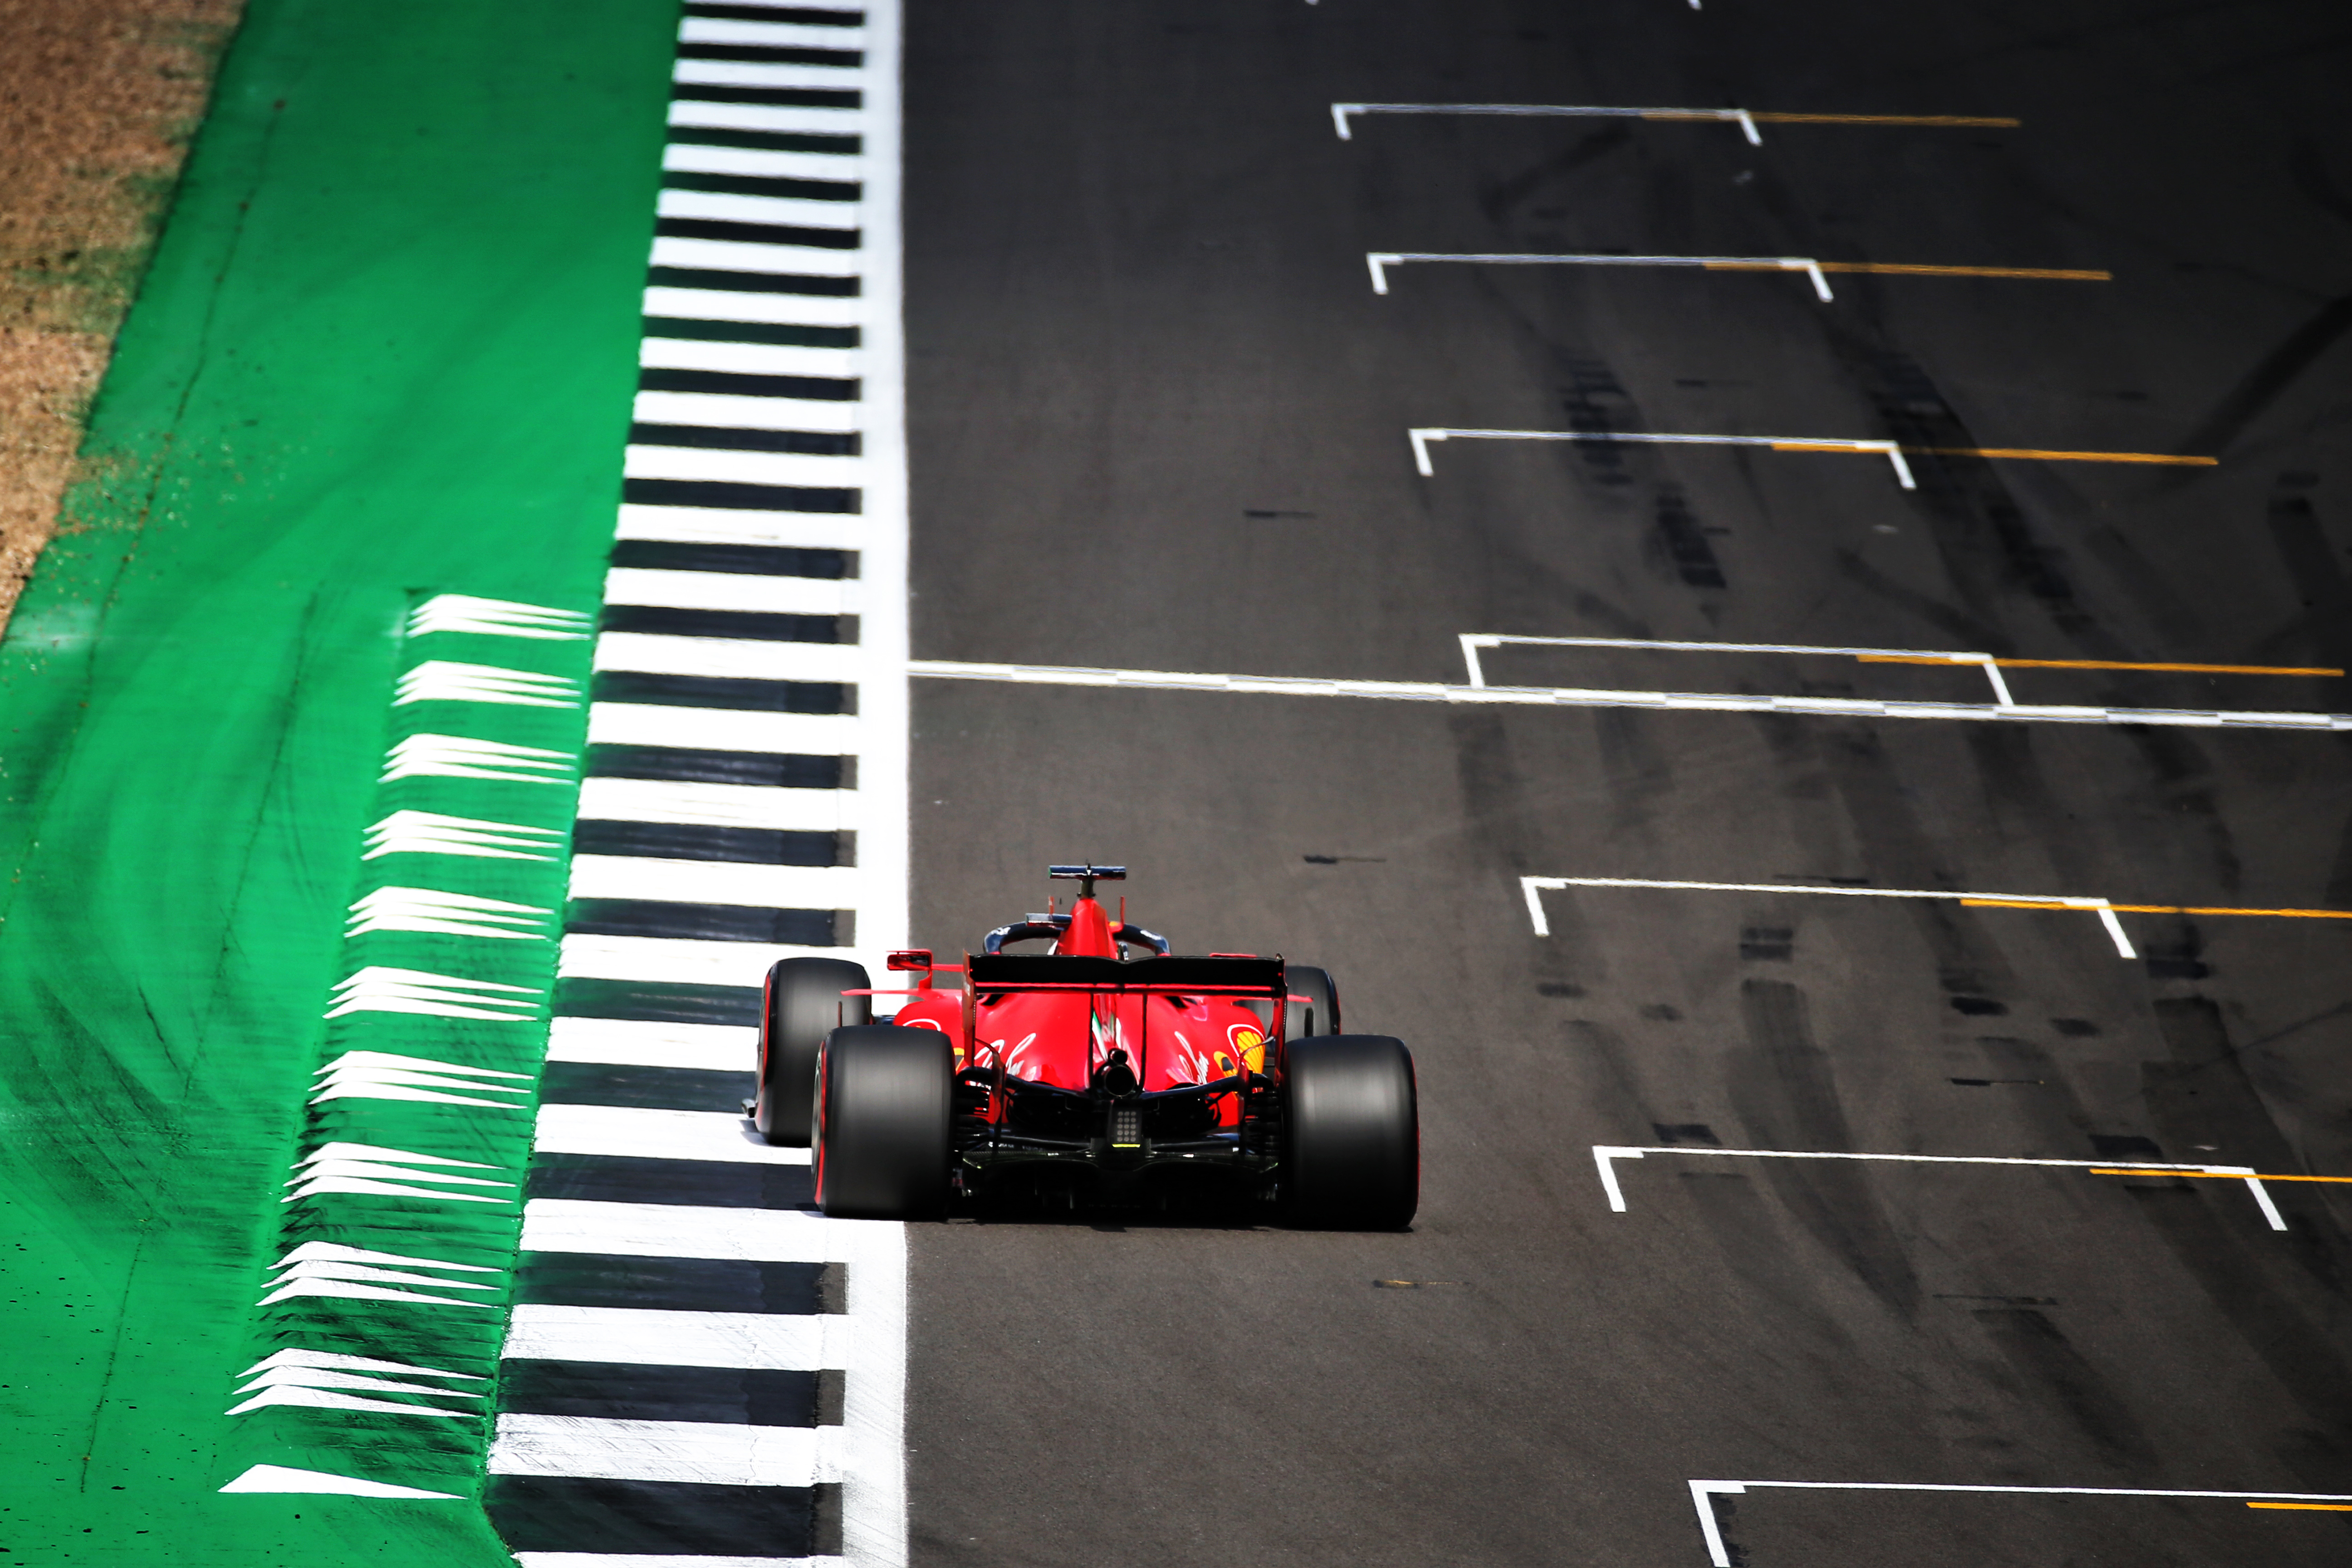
(1081, 1075)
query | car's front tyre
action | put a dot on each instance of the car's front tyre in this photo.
(1317, 997)
(801, 1005)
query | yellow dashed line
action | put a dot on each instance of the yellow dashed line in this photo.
(2102, 664)
(1959, 119)
(2068, 275)
(2191, 909)
(2029, 454)
(2161, 909)
(2176, 668)
(2214, 1175)
(2037, 454)
(2311, 1507)
(1762, 117)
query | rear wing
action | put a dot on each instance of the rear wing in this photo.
(1167, 976)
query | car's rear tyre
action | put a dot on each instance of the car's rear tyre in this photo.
(1312, 987)
(884, 1100)
(1352, 1157)
(803, 1004)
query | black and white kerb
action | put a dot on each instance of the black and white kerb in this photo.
(700, 1366)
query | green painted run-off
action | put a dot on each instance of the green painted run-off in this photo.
(386, 348)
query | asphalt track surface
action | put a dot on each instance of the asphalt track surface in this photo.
(1157, 421)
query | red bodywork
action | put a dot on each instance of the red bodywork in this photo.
(1064, 1039)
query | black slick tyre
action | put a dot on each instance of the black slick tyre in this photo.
(801, 1005)
(1352, 1157)
(885, 1104)
(1312, 987)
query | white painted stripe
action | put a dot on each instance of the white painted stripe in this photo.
(722, 728)
(742, 657)
(1424, 439)
(695, 158)
(282, 1479)
(800, 212)
(324, 1359)
(1703, 1493)
(850, 15)
(763, 1341)
(430, 833)
(638, 1560)
(654, 959)
(1533, 888)
(380, 988)
(711, 1453)
(1986, 664)
(495, 617)
(2056, 900)
(733, 591)
(656, 1135)
(630, 1042)
(1744, 119)
(776, 35)
(1472, 641)
(733, 413)
(799, 468)
(326, 1153)
(308, 1377)
(740, 256)
(452, 914)
(678, 1230)
(737, 305)
(1576, 696)
(727, 525)
(684, 112)
(713, 805)
(460, 757)
(727, 657)
(449, 681)
(759, 73)
(1380, 262)
(747, 359)
(1605, 1156)
(719, 882)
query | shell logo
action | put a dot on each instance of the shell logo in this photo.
(1249, 1045)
